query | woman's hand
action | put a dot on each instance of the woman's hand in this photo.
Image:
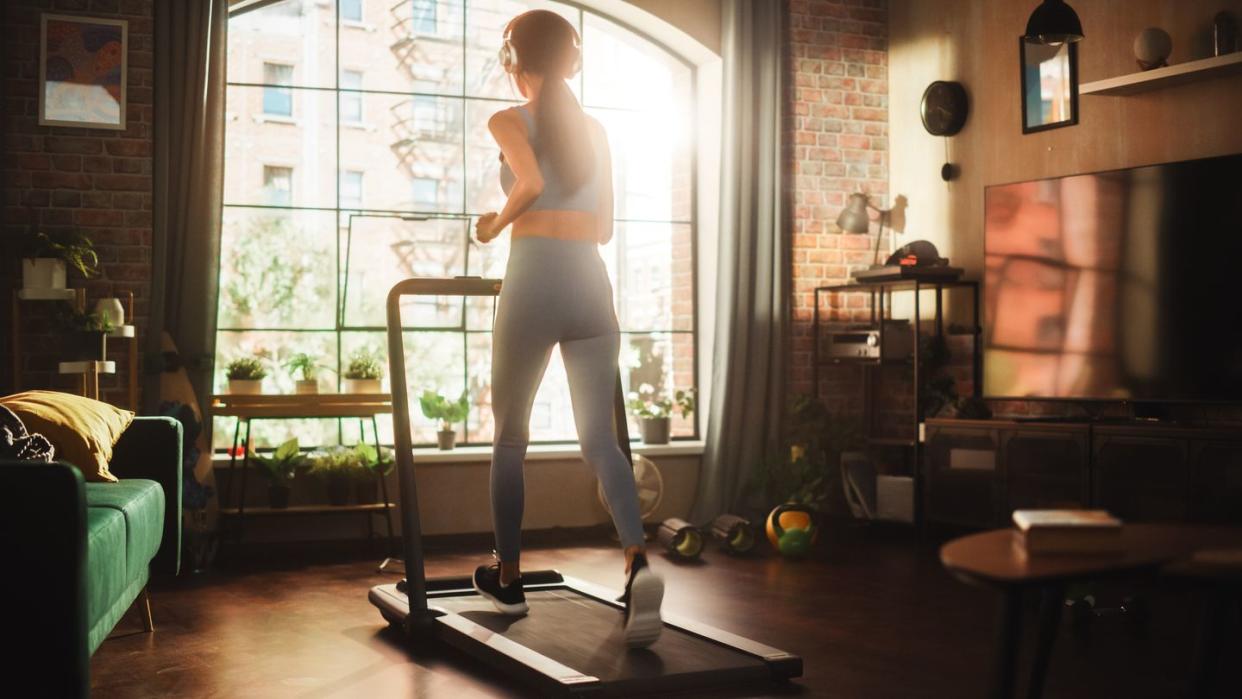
(484, 227)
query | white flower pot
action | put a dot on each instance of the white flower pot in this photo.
(306, 386)
(245, 387)
(362, 386)
(43, 273)
(111, 309)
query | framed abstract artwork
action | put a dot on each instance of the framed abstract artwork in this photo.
(82, 71)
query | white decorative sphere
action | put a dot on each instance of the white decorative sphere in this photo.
(1152, 47)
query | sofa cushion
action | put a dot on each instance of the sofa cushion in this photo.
(140, 502)
(82, 430)
(106, 578)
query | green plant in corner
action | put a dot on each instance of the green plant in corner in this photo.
(246, 369)
(447, 412)
(79, 321)
(806, 469)
(364, 363)
(75, 248)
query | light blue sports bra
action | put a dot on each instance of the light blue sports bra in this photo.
(554, 195)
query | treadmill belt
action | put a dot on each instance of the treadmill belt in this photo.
(587, 635)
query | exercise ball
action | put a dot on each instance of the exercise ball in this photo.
(792, 529)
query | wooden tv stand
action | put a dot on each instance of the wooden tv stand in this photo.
(978, 471)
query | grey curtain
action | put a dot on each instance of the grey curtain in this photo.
(190, 53)
(752, 299)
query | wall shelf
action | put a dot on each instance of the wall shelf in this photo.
(1157, 78)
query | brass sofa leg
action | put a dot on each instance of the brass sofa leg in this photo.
(147, 624)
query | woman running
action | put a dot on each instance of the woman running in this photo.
(557, 173)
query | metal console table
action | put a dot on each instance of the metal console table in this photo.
(881, 308)
(248, 408)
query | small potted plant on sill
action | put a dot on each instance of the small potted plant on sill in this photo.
(378, 466)
(280, 469)
(46, 256)
(449, 413)
(304, 365)
(339, 467)
(246, 376)
(654, 412)
(364, 372)
(86, 336)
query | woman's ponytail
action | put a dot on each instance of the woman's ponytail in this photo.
(561, 126)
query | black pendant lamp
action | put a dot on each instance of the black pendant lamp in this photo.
(1054, 23)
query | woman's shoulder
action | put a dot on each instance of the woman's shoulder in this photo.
(510, 117)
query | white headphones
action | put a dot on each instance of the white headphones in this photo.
(509, 58)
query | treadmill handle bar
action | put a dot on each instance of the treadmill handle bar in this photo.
(411, 528)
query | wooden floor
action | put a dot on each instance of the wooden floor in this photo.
(872, 614)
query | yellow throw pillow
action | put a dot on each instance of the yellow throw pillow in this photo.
(82, 430)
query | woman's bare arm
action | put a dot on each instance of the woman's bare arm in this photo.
(510, 133)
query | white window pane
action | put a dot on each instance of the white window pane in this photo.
(276, 269)
(407, 46)
(663, 361)
(306, 144)
(386, 250)
(651, 164)
(297, 33)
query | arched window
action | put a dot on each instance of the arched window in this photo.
(356, 153)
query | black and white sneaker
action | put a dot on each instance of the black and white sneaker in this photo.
(509, 599)
(644, 592)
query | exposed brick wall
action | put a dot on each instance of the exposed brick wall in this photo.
(839, 128)
(91, 180)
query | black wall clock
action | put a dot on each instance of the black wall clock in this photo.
(945, 107)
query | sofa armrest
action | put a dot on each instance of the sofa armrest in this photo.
(151, 448)
(43, 544)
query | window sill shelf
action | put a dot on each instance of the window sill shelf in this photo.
(536, 452)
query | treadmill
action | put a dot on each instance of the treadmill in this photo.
(571, 642)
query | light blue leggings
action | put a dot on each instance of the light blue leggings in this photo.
(556, 291)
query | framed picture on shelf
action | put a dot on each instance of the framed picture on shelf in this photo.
(82, 71)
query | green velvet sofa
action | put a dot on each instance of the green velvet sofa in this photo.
(77, 555)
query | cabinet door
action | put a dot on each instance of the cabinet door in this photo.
(961, 468)
(1216, 482)
(1141, 479)
(1045, 469)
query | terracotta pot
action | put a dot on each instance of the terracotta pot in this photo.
(655, 430)
(306, 386)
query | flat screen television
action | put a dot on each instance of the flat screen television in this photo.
(1120, 285)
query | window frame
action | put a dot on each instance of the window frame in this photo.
(692, 94)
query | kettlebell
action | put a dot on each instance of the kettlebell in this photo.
(792, 529)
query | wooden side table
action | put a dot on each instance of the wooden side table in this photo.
(994, 559)
(247, 409)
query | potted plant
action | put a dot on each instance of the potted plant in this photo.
(305, 365)
(378, 466)
(86, 336)
(653, 412)
(246, 376)
(449, 413)
(364, 372)
(339, 467)
(280, 469)
(43, 266)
